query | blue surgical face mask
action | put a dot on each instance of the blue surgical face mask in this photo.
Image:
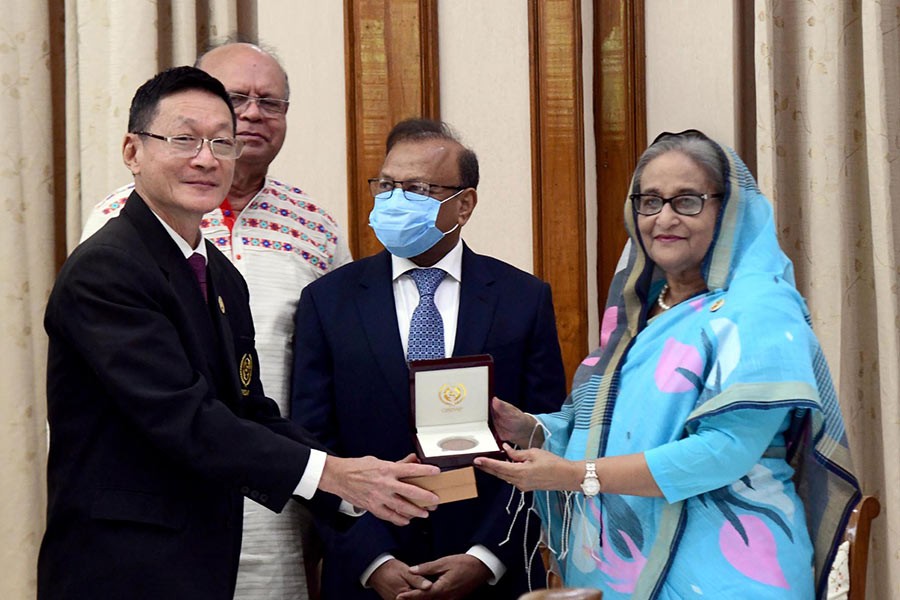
(407, 227)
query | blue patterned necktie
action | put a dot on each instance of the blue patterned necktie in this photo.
(426, 328)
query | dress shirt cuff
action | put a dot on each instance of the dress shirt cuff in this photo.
(379, 560)
(350, 510)
(490, 560)
(309, 482)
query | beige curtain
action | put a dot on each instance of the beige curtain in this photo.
(26, 274)
(828, 98)
(68, 70)
(110, 49)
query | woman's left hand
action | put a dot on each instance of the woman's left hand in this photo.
(534, 469)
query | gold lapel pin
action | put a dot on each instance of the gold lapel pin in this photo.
(221, 305)
(717, 305)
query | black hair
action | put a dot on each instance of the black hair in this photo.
(412, 130)
(145, 104)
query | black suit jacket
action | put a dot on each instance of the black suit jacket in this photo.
(158, 422)
(351, 389)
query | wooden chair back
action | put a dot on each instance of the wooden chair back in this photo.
(857, 533)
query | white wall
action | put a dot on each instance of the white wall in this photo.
(309, 39)
(485, 97)
(590, 177)
(690, 67)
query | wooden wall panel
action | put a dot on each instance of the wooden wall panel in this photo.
(620, 123)
(558, 167)
(391, 49)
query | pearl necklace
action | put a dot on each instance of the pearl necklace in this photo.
(662, 294)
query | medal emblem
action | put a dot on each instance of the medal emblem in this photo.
(246, 369)
(451, 395)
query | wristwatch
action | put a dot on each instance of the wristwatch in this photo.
(591, 484)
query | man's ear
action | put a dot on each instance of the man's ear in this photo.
(131, 150)
(467, 201)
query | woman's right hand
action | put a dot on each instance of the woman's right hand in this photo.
(513, 425)
(534, 469)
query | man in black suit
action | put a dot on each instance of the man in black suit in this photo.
(356, 328)
(158, 421)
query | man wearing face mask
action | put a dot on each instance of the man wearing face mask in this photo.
(351, 380)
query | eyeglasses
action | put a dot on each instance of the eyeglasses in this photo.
(683, 204)
(188, 146)
(269, 106)
(382, 185)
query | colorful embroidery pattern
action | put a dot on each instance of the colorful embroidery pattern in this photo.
(281, 219)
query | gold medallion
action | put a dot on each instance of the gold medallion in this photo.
(451, 395)
(246, 369)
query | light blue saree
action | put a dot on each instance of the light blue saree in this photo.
(740, 359)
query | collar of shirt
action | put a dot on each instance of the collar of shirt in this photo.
(406, 295)
(182, 244)
(451, 264)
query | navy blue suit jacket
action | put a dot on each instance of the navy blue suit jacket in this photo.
(351, 389)
(158, 422)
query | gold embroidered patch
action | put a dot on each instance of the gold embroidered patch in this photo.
(246, 369)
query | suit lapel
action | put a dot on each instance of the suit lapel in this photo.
(378, 315)
(477, 303)
(184, 284)
(218, 310)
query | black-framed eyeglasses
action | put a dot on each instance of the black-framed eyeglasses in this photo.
(188, 146)
(683, 204)
(269, 106)
(412, 190)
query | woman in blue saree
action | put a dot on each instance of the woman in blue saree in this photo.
(707, 414)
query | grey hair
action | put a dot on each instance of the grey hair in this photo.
(240, 38)
(695, 146)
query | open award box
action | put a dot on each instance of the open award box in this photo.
(451, 420)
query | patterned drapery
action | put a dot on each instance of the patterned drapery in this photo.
(67, 74)
(828, 139)
(26, 274)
